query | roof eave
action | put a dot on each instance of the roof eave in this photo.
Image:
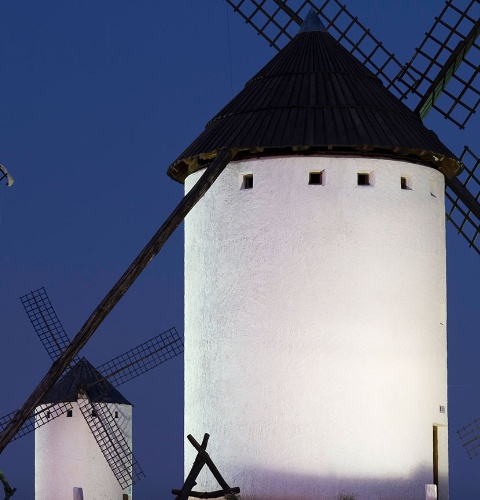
(448, 166)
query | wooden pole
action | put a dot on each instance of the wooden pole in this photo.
(116, 293)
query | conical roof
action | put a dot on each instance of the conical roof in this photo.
(314, 97)
(84, 375)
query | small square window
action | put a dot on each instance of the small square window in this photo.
(315, 178)
(116, 414)
(403, 182)
(442, 409)
(69, 413)
(363, 179)
(94, 413)
(47, 414)
(247, 181)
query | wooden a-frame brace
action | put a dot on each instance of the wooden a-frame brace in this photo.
(202, 459)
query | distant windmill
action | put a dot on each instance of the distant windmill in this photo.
(91, 410)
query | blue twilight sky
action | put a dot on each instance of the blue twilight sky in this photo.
(97, 98)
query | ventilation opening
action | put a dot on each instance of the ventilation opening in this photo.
(247, 181)
(315, 178)
(363, 179)
(69, 413)
(404, 183)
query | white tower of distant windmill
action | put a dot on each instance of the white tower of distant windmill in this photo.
(69, 463)
(315, 299)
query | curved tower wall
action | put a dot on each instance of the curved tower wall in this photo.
(315, 329)
(67, 457)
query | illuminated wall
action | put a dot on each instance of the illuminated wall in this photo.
(67, 457)
(315, 329)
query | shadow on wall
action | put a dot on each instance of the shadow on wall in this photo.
(309, 487)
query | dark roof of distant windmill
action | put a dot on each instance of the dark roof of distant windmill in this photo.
(314, 97)
(84, 375)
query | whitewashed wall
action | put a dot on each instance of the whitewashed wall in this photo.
(67, 457)
(315, 333)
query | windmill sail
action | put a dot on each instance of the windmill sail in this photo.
(45, 322)
(111, 442)
(443, 74)
(43, 415)
(142, 358)
(470, 438)
(466, 217)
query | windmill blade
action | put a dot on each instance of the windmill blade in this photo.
(443, 73)
(111, 442)
(43, 415)
(151, 249)
(142, 358)
(470, 438)
(461, 199)
(278, 21)
(45, 322)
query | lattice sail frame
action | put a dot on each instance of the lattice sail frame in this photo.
(43, 415)
(111, 441)
(278, 21)
(466, 223)
(142, 358)
(45, 322)
(443, 74)
(470, 438)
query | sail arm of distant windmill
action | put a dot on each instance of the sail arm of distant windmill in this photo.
(42, 416)
(45, 322)
(142, 358)
(111, 442)
(151, 249)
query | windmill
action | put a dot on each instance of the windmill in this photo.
(150, 255)
(442, 75)
(89, 421)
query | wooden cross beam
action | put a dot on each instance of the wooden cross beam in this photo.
(201, 460)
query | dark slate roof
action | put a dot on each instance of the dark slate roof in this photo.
(314, 97)
(83, 374)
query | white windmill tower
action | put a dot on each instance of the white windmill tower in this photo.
(69, 463)
(315, 300)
